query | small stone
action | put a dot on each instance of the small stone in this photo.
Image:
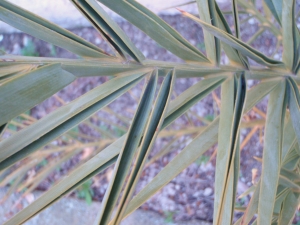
(207, 191)
(197, 194)
(170, 190)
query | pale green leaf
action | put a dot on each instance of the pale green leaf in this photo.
(289, 34)
(286, 182)
(290, 174)
(97, 164)
(280, 196)
(289, 141)
(230, 118)
(275, 7)
(232, 53)
(63, 119)
(294, 100)
(107, 157)
(289, 208)
(189, 154)
(237, 44)
(272, 153)
(154, 124)
(156, 28)
(14, 69)
(254, 37)
(252, 206)
(190, 97)
(47, 31)
(192, 151)
(108, 28)
(207, 13)
(236, 18)
(26, 90)
(127, 153)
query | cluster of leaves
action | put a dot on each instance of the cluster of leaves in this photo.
(27, 81)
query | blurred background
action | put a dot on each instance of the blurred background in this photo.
(187, 199)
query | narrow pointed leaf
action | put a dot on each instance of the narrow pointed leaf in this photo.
(154, 124)
(294, 100)
(289, 140)
(230, 119)
(252, 206)
(156, 28)
(13, 69)
(232, 53)
(292, 162)
(255, 36)
(280, 196)
(187, 156)
(63, 119)
(272, 153)
(127, 153)
(108, 28)
(289, 34)
(289, 208)
(207, 13)
(47, 31)
(286, 182)
(190, 97)
(253, 10)
(237, 44)
(230, 190)
(24, 91)
(224, 151)
(290, 174)
(16, 173)
(97, 164)
(236, 18)
(2, 129)
(247, 192)
(109, 156)
(275, 7)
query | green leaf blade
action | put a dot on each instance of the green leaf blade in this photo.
(156, 28)
(294, 100)
(58, 122)
(154, 124)
(207, 12)
(24, 91)
(108, 28)
(127, 153)
(275, 7)
(272, 154)
(289, 34)
(42, 29)
(227, 166)
(237, 44)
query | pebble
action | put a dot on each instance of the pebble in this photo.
(207, 191)
(170, 190)
(177, 187)
(197, 194)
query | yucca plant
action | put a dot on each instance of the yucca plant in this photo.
(27, 81)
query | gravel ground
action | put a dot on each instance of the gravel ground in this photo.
(77, 212)
(190, 195)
